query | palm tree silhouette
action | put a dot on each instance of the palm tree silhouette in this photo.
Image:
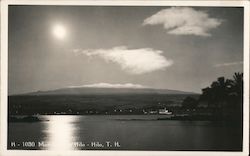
(236, 95)
(237, 85)
(225, 95)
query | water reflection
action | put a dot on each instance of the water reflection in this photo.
(61, 132)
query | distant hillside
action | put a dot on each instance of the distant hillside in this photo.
(106, 91)
(93, 100)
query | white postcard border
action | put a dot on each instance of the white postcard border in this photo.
(4, 75)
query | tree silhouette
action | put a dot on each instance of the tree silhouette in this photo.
(237, 86)
(236, 96)
(217, 93)
(224, 96)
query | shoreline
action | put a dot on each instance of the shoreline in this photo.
(140, 117)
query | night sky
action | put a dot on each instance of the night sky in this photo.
(181, 48)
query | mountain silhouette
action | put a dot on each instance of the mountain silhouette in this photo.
(104, 91)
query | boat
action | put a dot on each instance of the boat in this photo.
(164, 111)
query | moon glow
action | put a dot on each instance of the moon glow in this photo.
(59, 31)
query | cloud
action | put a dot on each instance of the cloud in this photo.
(184, 21)
(108, 85)
(133, 61)
(228, 64)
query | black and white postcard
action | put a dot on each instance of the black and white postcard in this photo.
(124, 78)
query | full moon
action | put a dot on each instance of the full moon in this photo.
(59, 31)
